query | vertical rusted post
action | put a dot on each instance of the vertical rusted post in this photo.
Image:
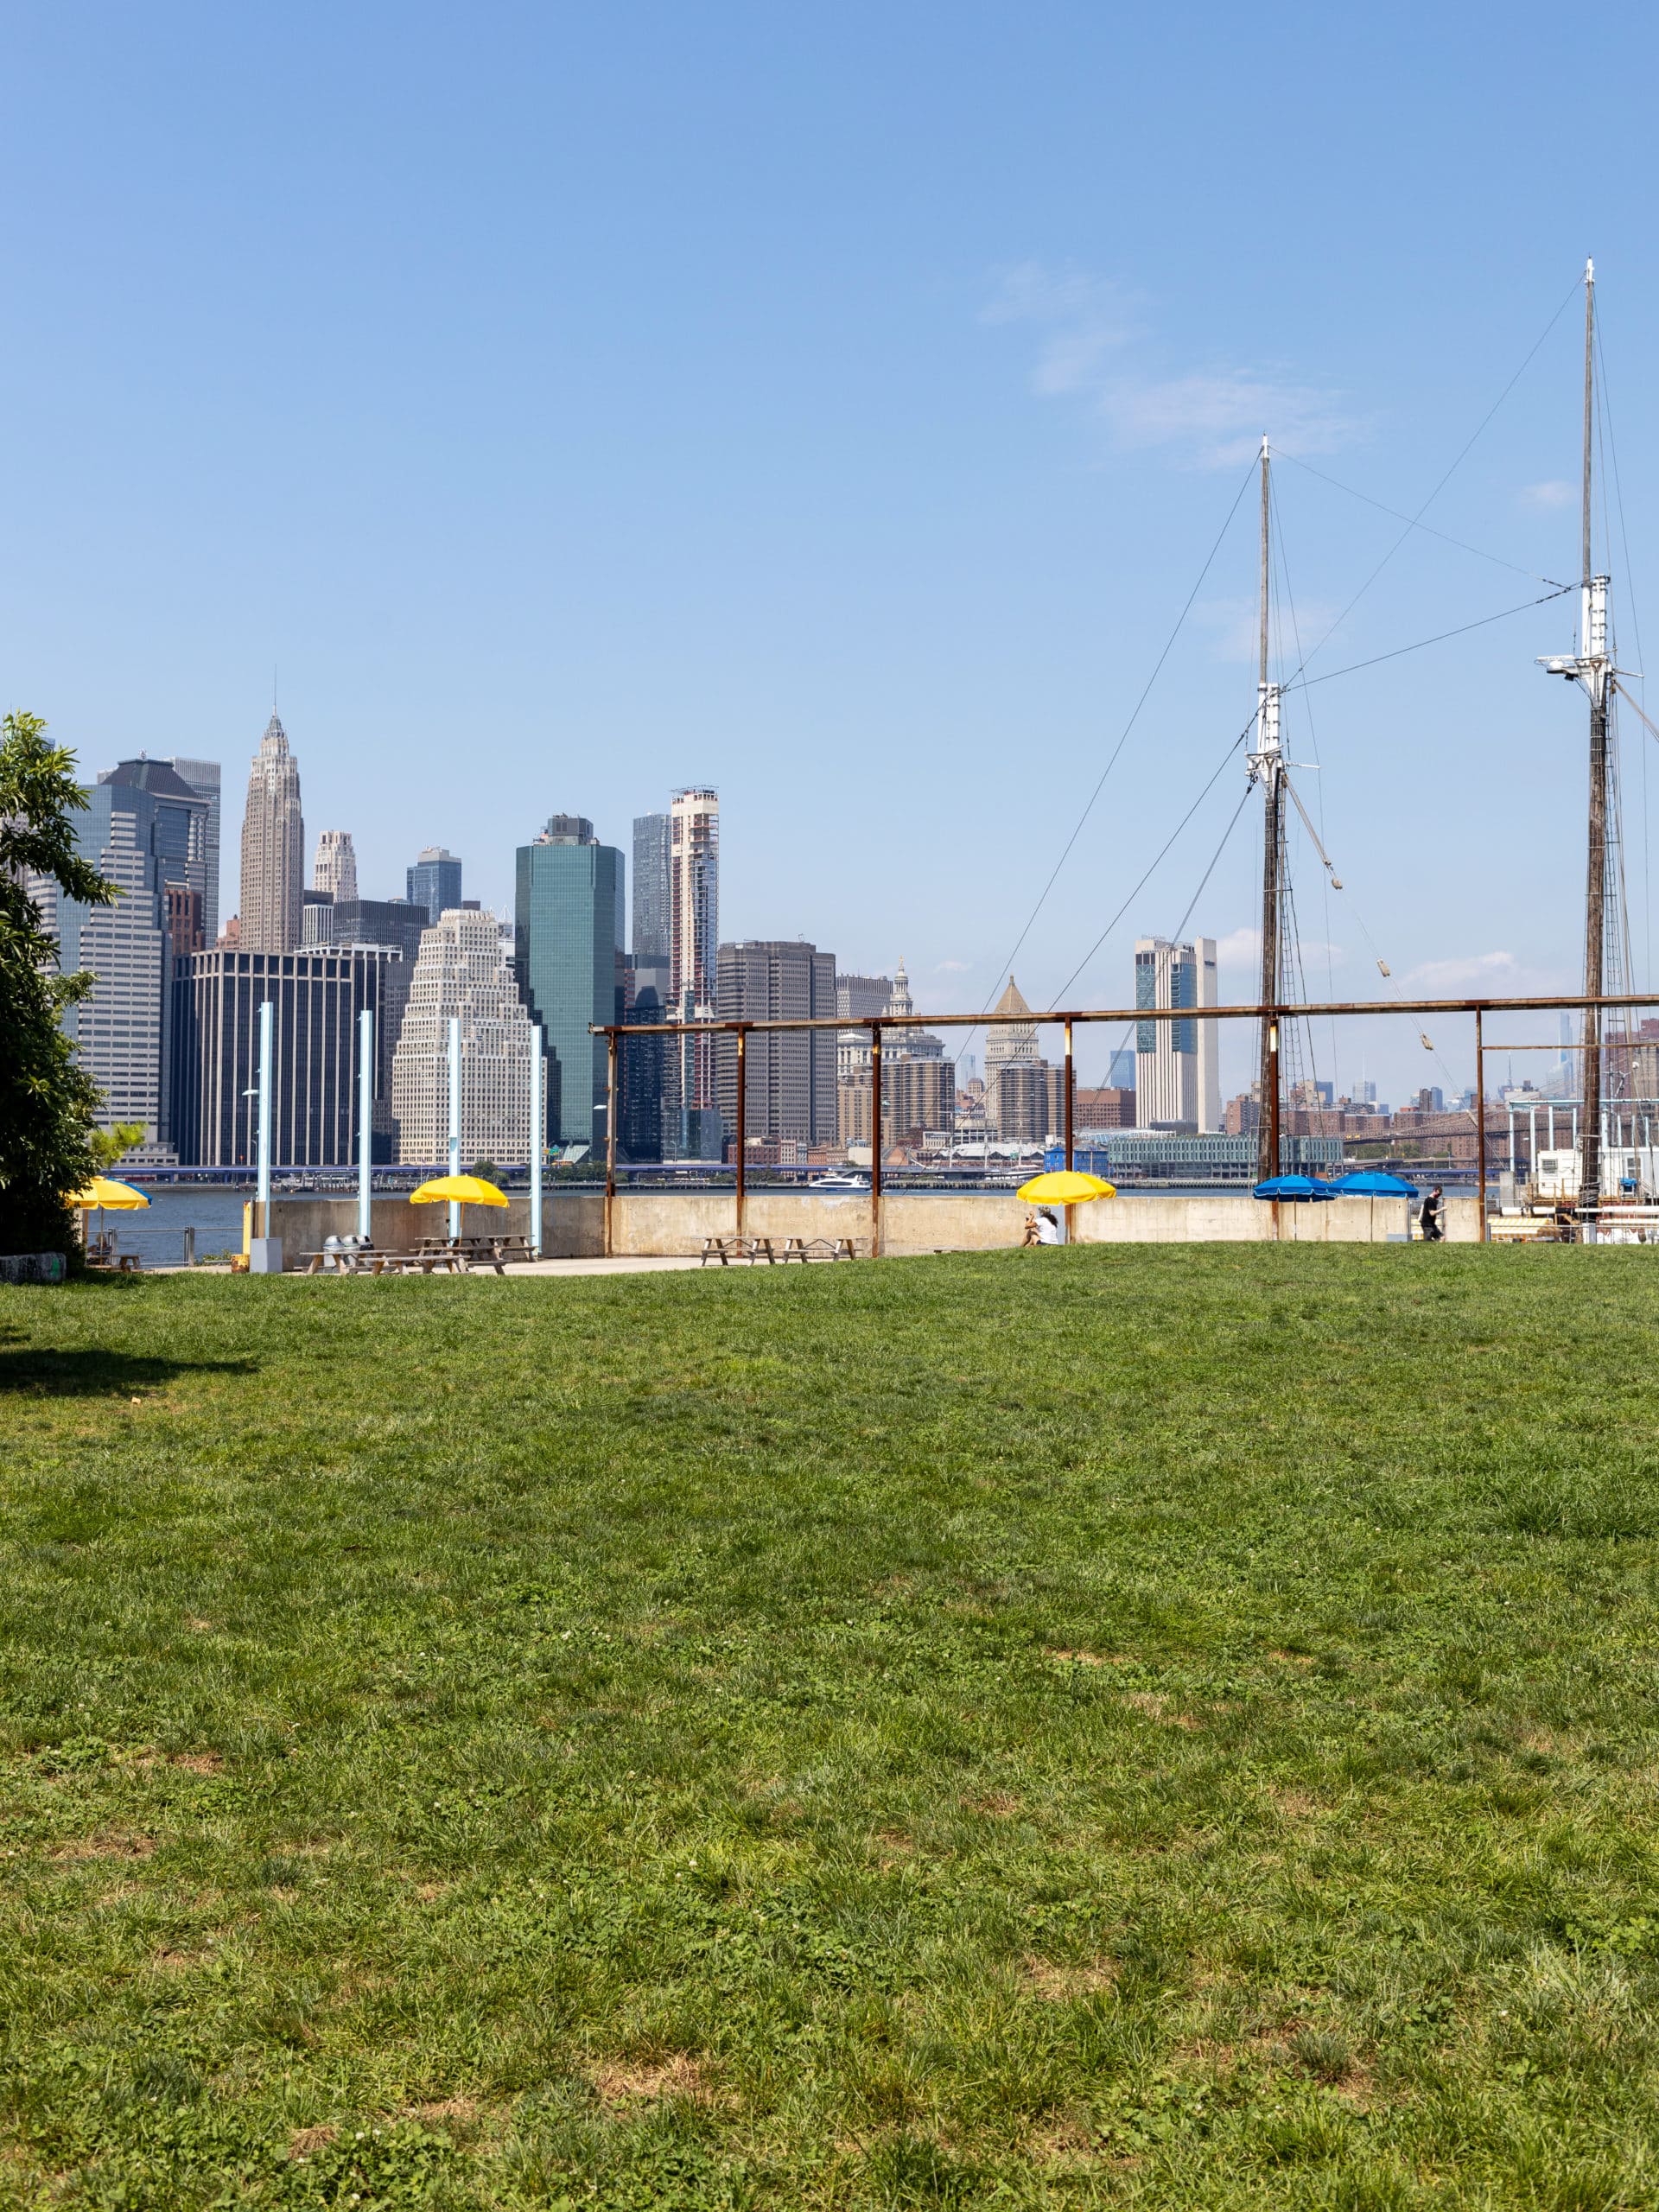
(610, 1134)
(1071, 1097)
(1071, 1147)
(742, 1117)
(876, 1140)
(1480, 1126)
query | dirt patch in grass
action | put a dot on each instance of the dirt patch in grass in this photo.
(304, 2140)
(110, 1844)
(463, 2109)
(622, 2082)
(1059, 1980)
(198, 1762)
(1155, 1706)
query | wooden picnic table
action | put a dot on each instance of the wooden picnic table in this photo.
(776, 1251)
(356, 1260)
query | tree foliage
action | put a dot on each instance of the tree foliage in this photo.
(111, 1146)
(48, 1102)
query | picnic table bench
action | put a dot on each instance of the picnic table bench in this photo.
(357, 1260)
(777, 1251)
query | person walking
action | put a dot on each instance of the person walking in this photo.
(1432, 1217)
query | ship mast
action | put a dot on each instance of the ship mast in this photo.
(1267, 767)
(1593, 668)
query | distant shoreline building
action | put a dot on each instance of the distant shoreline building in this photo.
(789, 1088)
(433, 882)
(651, 927)
(333, 869)
(273, 847)
(568, 953)
(1177, 1071)
(461, 974)
(316, 997)
(145, 830)
(689, 1104)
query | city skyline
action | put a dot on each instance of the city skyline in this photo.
(891, 553)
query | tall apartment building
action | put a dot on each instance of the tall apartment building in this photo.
(433, 882)
(461, 973)
(567, 912)
(790, 1076)
(334, 867)
(693, 959)
(145, 830)
(273, 847)
(1176, 1073)
(316, 999)
(203, 778)
(652, 928)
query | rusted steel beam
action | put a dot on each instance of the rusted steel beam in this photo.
(1565, 1001)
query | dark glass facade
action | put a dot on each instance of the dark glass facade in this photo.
(317, 997)
(567, 910)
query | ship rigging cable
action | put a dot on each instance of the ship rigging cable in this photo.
(1169, 645)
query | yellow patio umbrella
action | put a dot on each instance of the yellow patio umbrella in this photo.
(103, 1192)
(1066, 1186)
(462, 1191)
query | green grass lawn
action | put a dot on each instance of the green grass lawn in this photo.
(1166, 1727)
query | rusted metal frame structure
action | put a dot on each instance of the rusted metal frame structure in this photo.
(1268, 1016)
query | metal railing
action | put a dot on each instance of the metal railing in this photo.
(1068, 1018)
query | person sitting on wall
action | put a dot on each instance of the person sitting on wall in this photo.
(1049, 1230)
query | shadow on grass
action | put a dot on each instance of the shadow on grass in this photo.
(103, 1374)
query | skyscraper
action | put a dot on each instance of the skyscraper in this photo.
(650, 933)
(335, 868)
(461, 973)
(789, 1075)
(273, 847)
(203, 778)
(317, 998)
(146, 830)
(567, 948)
(434, 881)
(1177, 1075)
(692, 951)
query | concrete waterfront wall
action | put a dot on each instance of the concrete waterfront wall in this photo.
(654, 1223)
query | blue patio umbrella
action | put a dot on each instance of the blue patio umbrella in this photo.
(1293, 1186)
(1373, 1183)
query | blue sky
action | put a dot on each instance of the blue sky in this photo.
(839, 405)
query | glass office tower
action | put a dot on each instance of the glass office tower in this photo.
(568, 930)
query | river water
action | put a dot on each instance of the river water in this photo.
(156, 1235)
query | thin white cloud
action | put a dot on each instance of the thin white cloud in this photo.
(1214, 416)
(1237, 626)
(1238, 947)
(952, 967)
(1556, 493)
(1464, 974)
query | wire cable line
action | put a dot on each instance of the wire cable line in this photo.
(1413, 522)
(1006, 967)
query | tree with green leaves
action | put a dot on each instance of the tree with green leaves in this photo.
(48, 1104)
(111, 1146)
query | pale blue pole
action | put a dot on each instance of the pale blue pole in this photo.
(537, 1142)
(365, 1124)
(266, 1012)
(454, 1117)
